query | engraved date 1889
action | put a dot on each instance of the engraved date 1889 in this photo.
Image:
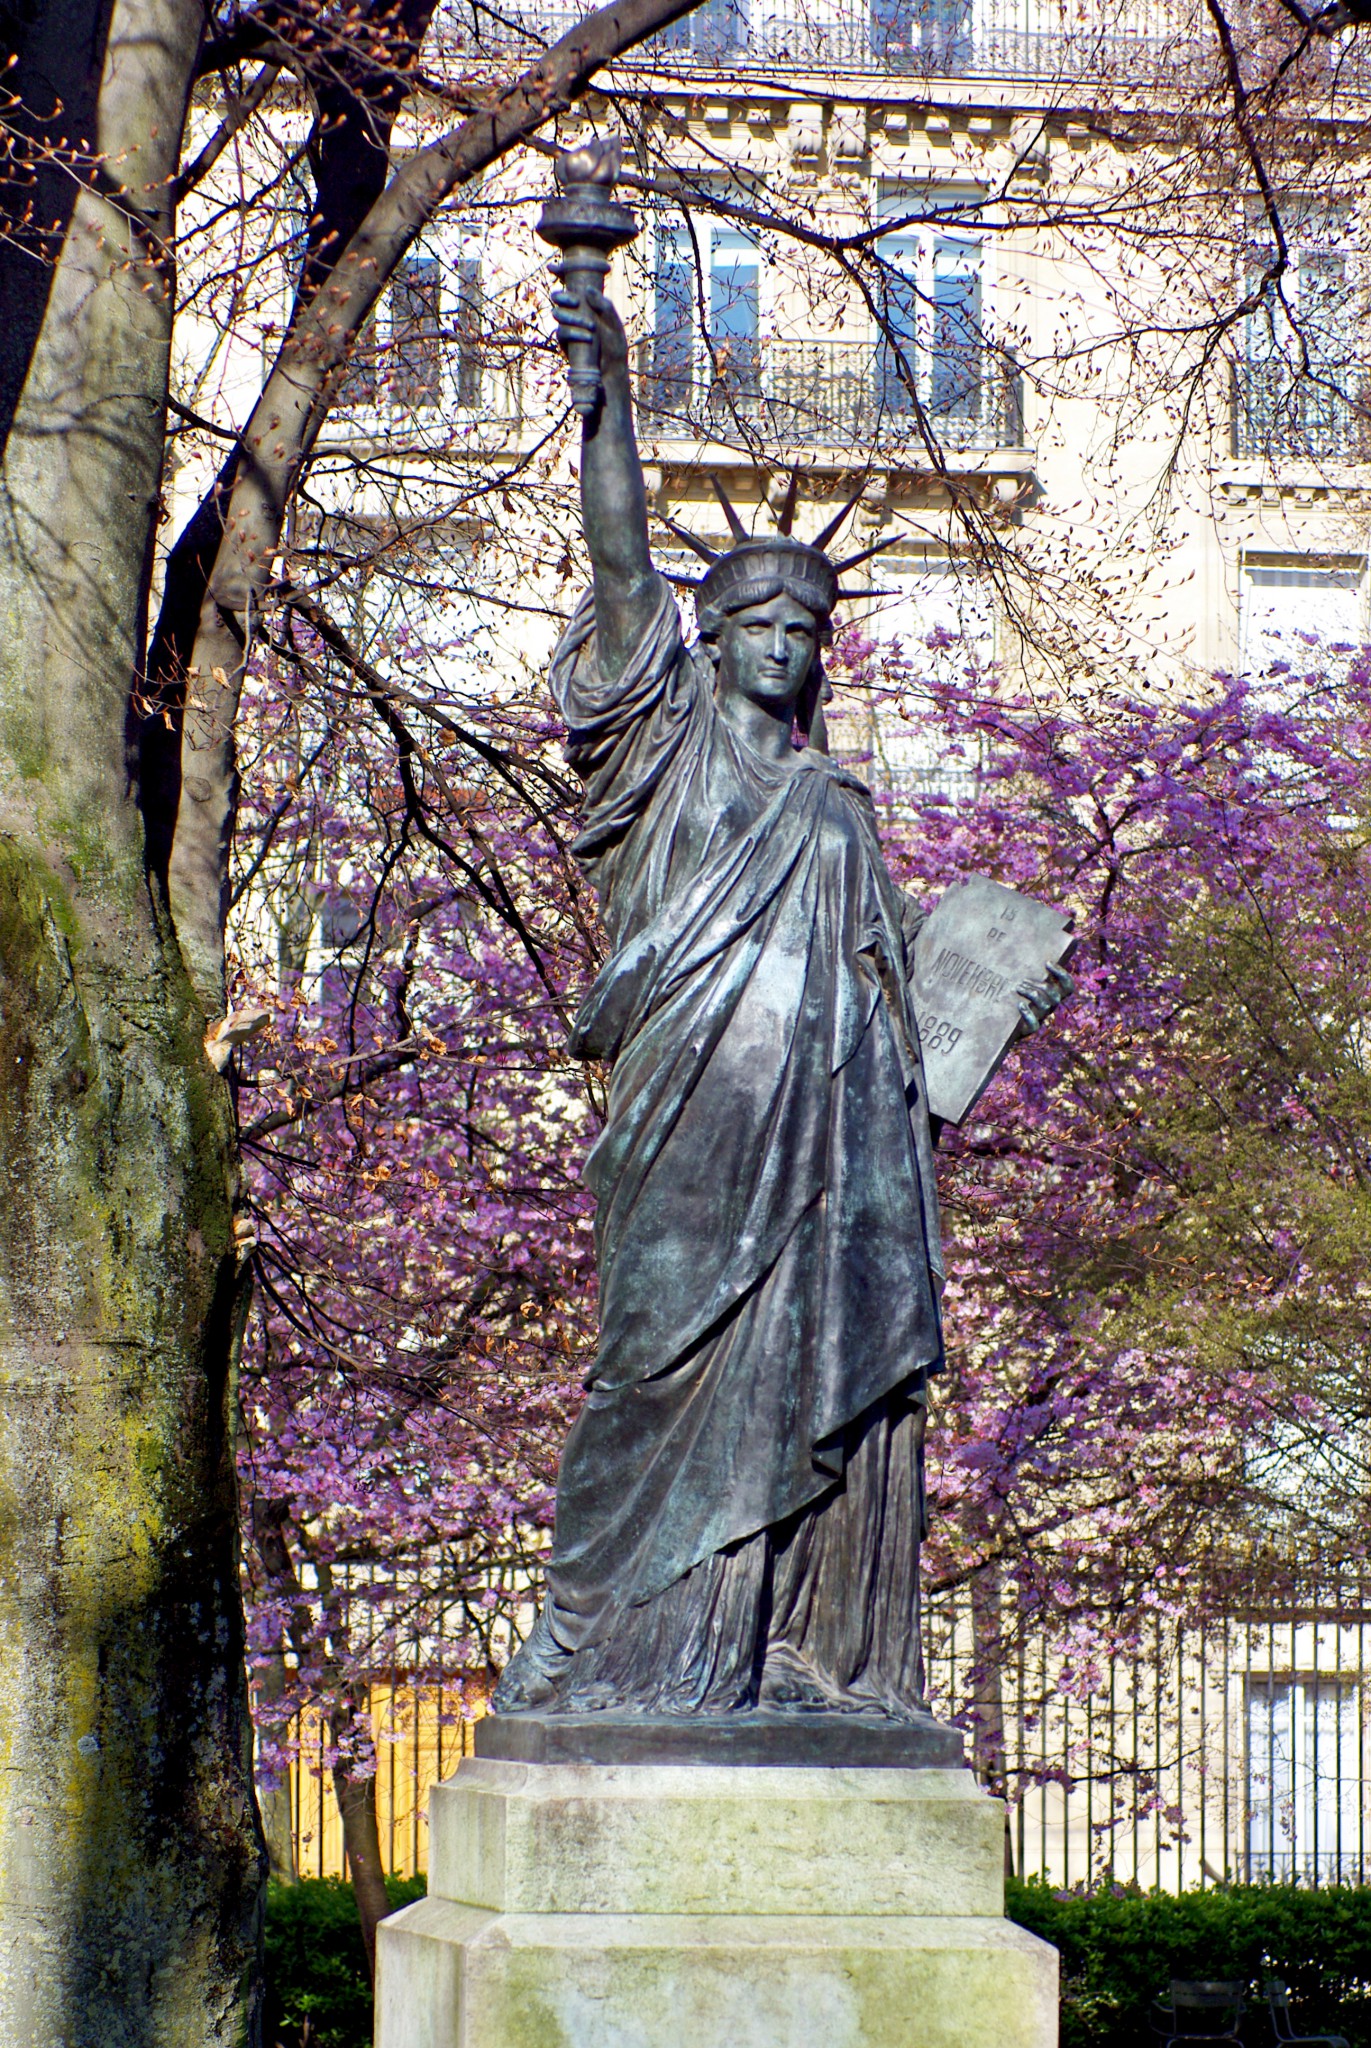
(936, 1034)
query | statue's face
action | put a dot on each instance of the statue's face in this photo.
(766, 652)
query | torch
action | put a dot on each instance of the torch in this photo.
(587, 225)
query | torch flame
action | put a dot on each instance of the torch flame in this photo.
(595, 162)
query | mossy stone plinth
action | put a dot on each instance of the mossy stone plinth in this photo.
(678, 1907)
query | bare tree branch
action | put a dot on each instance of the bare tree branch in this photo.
(280, 435)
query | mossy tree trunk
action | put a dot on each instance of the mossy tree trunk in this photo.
(130, 1853)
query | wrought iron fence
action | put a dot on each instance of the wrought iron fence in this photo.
(941, 39)
(830, 394)
(1230, 1749)
(1322, 413)
(421, 1737)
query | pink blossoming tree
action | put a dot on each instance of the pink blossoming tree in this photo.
(1152, 1221)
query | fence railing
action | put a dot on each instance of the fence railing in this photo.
(422, 1734)
(814, 393)
(830, 394)
(1319, 414)
(1037, 39)
(1233, 1749)
(1230, 1749)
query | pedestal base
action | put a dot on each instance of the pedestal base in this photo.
(691, 1906)
(760, 1737)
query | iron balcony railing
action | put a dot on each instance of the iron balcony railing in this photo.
(1133, 42)
(987, 39)
(844, 394)
(434, 373)
(1283, 412)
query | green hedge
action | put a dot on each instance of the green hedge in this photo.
(1120, 1948)
(318, 1995)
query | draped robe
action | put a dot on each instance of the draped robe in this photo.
(744, 1481)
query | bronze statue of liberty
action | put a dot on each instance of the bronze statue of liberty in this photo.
(740, 1501)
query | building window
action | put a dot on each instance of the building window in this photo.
(673, 322)
(712, 355)
(1297, 612)
(333, 951)
(933, 352)
(416, 344)
(922, 35)
(1302, 391)
(716, 29)
(1304, 1787)
(470, 311)
(723, 368)
(934, 624)
(958, 338)
(897, 349)
(735, 275)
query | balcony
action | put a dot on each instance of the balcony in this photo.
(1135, 41)
(927, 39)
(437, 378)
(1282, 414)
(846, 395)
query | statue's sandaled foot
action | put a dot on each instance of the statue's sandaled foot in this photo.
(530, 1679)
(791, 1686)
(594, 1696)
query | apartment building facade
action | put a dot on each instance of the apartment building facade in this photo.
(941, 255)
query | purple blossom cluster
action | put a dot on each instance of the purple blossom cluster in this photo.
(1156, 1303)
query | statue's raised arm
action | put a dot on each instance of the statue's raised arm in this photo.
(586, 224)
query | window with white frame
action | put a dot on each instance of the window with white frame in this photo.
(935, 35)
(415, 364)
(1299, 613)
(735, 309)
(717, 29)
(934, 624)
(1302, 388)
(426, 345)
(674, 317)
(706, 330)
(932, 351)
(468, 329)
(1312, 305)
(1304, 1778)
(398, 356)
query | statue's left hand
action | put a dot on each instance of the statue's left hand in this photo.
(585, 316)
(1038, 999)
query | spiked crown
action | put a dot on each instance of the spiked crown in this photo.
(753, 570)
(749, 574)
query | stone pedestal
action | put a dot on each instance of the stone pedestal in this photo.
(704, 1906)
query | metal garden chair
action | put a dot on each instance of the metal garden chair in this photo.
(1199, 2012)
(1278, 2003)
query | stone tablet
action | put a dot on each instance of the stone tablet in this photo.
(977, 944)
